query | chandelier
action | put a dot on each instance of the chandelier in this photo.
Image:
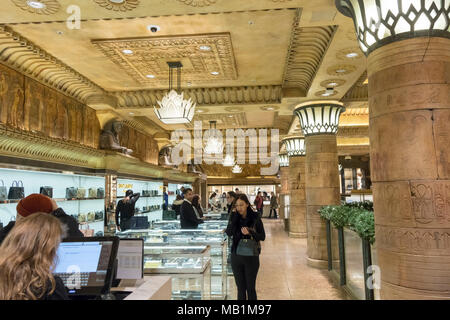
(384, 21)
(237, 169)
(173, 108)
(321, 117)
(284, 160)
(228, 161)
(213, 145)
(295, 146)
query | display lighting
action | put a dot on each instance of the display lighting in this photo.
(173, 108)
(213, 145)
(321, 117)
(295, 146)
(228, 161)
(237, 169)
(284, 160)
(378, 22)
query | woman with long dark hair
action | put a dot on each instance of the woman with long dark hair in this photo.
(197, 207)
(245, 227)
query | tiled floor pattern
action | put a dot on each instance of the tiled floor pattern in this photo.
(284, 275)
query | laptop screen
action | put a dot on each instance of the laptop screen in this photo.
(85, 265)
(130, 258)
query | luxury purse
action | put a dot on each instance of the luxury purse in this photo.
(91, 217)
(100, 193)
(81, 193)
(46, 191)
(248, 248)
(3, 192)
(71, 193)
(16, 191)
(93, 193)
(99, 215)
(81, 217)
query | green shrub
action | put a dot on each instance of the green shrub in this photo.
(366, 205)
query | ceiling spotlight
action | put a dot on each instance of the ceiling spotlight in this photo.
(59, 32)
(153, 28)
(214, 73)
(189, 83)
(131, 113)
(352, 55)
(36, 4)
(341, 71)
(200, 111)
(230, 116)
(150, 76)
(333, 84)
(269, 108)
(127, 51)
(348, 157)
(205, 48)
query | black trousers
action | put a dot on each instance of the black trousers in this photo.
(125, 224)
(245, 270)
(275, 215)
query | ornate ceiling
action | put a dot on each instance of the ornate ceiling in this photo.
(247, 64)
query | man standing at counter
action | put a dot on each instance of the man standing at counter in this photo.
(188, 218)
(125, 210)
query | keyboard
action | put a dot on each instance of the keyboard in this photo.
(70, 279)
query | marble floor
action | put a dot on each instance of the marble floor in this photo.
(284, 275)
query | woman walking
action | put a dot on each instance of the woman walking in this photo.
(246, 230)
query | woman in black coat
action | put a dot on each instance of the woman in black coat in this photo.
(245, 223)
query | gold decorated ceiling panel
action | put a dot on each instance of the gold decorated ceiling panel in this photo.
(259, 48)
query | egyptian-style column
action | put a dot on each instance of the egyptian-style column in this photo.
(319, 121)
(284, 188)
(295, 147)
(408, 49)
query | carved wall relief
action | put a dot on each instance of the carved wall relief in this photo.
(50, 6)
(125, 5)
(198, 3)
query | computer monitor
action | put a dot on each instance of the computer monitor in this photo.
(130, 259)
(86, 264)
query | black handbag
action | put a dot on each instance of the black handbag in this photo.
(16, 191)
(71, 193)
(99, 215)
(248, 247)
(46, 191)
(3, 192)
(100, 193)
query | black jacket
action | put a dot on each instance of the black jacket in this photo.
(60, 292)
(252, 221)
(188, 218)
(71, 224)
(125, 210)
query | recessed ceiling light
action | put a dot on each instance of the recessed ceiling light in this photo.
(153, 28)
(352, 55)
(117, 1)
(36, 4)
(214, 73)
(127, 51)
(200, 111)
(131, 113)
(205, 48)
(333, 84)
(341, 70)
(230, 116)
(59, 32)
(269, 108)
(150, 76)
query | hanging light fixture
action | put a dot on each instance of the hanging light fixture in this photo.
(213, 145)
(295, 146)
(284, 160)
(383, 21)
(229, 161)
(319, 117)
(237, 169)
(173, 108)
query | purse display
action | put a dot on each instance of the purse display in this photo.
(99, 215)
(46, 191)
(81, 193)
(16, 191)
(81, 217)
(71, 193)
(92, 193)
(3, 192)
(91, 217)
(100, 193)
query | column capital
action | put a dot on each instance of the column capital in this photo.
(295, 146)
(319, 117)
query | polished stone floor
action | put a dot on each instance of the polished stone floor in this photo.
(284, 275)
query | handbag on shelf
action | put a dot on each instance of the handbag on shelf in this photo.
(88, 232)
(46, 191)
(100, 193)
(71, 193)
(81, 218)
(3, 191)
(99, 215)
(16, 191)
(81, 193)
(93, 193)
(91, 217)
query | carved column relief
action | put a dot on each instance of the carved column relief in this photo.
(297, 199)
(409, 90)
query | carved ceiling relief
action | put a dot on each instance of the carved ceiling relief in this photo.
(125, 5)
(49, 6)
(198, 3)
(149, 56)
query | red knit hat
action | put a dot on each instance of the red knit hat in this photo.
(34, 203)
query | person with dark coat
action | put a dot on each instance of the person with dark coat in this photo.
(188, 218)
(39, 203)
(125, 210)
(245, 223)
(197, 206)
(176, 205)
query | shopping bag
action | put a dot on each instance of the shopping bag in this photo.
(3, 192)
(16, 191)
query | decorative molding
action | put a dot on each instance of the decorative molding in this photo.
(233, 120)
(203, 96)
(359, 111)
(126, 5)
(359, 91)
(353, 150)
(24, 56)
(51, 6)
(151, 54)
(354, 131)
(198, 3)
(305, 55)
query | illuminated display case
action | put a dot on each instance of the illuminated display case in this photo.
(81, 196)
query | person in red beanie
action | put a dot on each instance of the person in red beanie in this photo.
(39, 203)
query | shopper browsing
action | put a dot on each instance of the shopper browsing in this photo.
(273, 205)
(247, 230)
(176, 205)
(197, 206)
(27, 259)
(188, 219)
(259, 203)
(125, 210)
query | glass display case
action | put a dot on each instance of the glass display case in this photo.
(151, 199)
(189, 267)
(175, 224)
(81, 196)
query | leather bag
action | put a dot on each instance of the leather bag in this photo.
(99, 215)
(91, 217)
(16, 191)
(81, 193)
(82, 218)
(46, 191)
(71, 193)
(248, 248)
(100, 193)
(93, 193)
(3, 192)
